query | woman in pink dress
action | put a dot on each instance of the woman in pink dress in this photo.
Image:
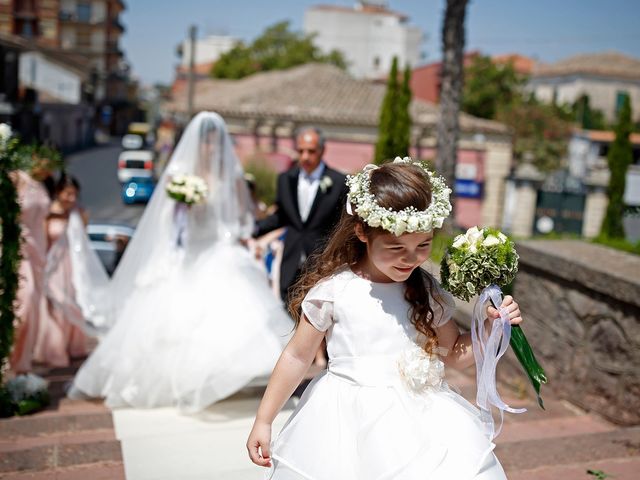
(34, 203)
(60, 336)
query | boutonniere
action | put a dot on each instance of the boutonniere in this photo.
(325, 183)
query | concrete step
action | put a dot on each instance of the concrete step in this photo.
(621, 443)
(52, 422)
(59, 438)
(94, 471)
(553, 428)
(617, 469)
(60, 454)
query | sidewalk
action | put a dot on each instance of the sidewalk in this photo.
(162, 444)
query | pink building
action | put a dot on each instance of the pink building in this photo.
(264, 110)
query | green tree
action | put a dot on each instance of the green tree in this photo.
(386, 144)
(277, 48)
(540, 132)
(403, 121)
(587, 117)
(619, 158)
(489, 87)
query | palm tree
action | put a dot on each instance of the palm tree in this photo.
(453, 40)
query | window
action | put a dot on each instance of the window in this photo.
(620, 96)
(84, 12)
(27, 30)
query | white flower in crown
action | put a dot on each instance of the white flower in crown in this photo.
(5, 134)
(325, 183)
(419, 370)
(408, 220)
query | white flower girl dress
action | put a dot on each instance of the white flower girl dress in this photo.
(382, 410)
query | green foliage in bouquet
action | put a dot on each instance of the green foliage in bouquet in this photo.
(476, 260)
(480, 258)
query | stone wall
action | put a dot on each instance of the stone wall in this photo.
(581, 304)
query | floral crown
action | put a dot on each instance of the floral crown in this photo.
(408, 220)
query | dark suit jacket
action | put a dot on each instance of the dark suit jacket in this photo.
(303, 236)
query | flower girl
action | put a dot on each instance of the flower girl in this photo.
(382, 409)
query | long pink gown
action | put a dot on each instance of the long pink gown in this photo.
(34, 204)
(59, 335)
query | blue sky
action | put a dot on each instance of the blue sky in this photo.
(548, 30)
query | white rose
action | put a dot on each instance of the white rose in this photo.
(400, 227)
(5, 132)
(490, 241)
(474, 236)
(419, 370)
(374, 221)
(413, 223)
(502, 237)
(460, 241)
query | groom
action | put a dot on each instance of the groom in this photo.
(310, 198)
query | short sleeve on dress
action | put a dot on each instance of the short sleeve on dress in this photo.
(443, 305)
(317, 306)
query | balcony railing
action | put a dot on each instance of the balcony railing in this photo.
(115, 23)
(72, 17)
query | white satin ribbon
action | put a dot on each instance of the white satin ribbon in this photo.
(488, 348)
(180, 224)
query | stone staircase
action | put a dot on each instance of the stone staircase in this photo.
(75, 440)
(559, 443)
(70, 440)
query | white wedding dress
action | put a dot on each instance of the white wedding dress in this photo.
(363, 418)
(195, 320)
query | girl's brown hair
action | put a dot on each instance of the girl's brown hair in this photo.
(396, 187)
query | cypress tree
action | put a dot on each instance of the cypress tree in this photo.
(386, 144)
(403, 123)
(619, 158)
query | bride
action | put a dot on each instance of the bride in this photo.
(195, 320)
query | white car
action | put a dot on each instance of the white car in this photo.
(135, 163)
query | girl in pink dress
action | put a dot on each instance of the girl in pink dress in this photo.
(60, 336)
(34, 207)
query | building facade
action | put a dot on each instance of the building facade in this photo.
(263, 112)
(369, 35)
(86, 29)
(43, 94)
(604, 77)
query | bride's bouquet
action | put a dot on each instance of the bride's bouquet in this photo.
(187, 189)
(480, 262)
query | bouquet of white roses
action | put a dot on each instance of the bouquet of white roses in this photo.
(187, 189)
(480, 262)
(477, 259)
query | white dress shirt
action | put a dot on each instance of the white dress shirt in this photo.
(308, 184)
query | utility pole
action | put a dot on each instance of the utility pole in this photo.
(192, 58)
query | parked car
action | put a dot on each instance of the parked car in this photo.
(109, 241)
(137, 190)
(135, 163)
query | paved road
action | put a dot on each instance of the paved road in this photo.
(96, 170)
